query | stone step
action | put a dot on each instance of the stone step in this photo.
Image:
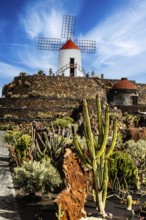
(38, 113)
(19, 120)
(61, 108)
(41, 102)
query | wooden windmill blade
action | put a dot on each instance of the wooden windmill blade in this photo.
(49, 43)
(68, 27)
(86, 46)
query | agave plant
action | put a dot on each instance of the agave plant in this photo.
(50, 143)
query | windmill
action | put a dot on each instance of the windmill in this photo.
(69, 61)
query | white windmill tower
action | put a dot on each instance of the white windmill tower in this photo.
(69, 60)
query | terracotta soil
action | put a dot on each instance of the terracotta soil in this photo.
(41, 206)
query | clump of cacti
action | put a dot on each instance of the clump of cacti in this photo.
(137, 150)
(35, 176)
(96, 158)
(123, 172)
(19, 145)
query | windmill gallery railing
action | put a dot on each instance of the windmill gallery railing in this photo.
(68, 66)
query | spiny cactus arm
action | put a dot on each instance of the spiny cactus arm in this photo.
(114, 139)
(60, 213)
(88, 131)
(85, 161)
(47, 142)
(33, 140)
(105, 182)
(99, 117)
(105, 137)
(53, 130)
(101, 164)
(38, 148)
(42, 142)
(33, 133)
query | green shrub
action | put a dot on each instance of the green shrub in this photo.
(35, 176)
(19, 146)
(63, 122)
(11, 137)
(18, 139)
(137, 150)
(41, 72)
(23, 74)
(24, 142)
(4, 127)
(123, 171)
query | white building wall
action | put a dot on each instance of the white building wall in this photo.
(64, 59)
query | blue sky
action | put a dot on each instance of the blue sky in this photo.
(118, 26)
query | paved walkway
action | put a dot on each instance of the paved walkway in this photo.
(8, 206)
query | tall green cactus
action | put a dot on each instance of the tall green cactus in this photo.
(60, 213)
(98, 153)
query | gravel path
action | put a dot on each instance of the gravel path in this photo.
(8, 206)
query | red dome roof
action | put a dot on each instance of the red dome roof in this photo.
(124, 83)
(69, 45)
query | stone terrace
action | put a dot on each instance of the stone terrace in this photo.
(41, 97)
(47, 97)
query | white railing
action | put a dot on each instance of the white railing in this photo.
(68, 66)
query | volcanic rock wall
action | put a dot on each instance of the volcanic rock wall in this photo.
(50, 86)
(47, 97)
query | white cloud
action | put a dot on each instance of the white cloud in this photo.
(38, 59)
(7, 73)
(44, 23)
(121, 42)
(45, 17)
(9, 69)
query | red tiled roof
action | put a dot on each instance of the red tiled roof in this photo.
(124, 83)
(69, 45)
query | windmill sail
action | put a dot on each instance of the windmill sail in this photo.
(86, 46)
(68, 27)
(49, 43)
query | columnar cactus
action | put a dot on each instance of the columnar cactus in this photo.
(60, 214)
(98, 153)
(129, 202)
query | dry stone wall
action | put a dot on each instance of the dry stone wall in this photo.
(50, 86)
(41, 96)
(47, 97)
(34, 102)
